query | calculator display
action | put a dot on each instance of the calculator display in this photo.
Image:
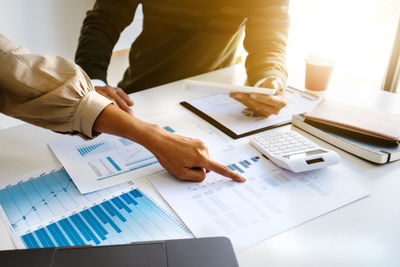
(305, 154)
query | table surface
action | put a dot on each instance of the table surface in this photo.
(364, 233)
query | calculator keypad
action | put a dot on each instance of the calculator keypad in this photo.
(283, 143)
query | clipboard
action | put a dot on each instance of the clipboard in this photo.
(225, 129)
(229, 116)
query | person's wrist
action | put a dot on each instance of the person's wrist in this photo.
(265, 82)
(260, 82)
(274, 82)
(98, 82)
(151, 136)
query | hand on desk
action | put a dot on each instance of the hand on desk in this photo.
(186, 158)
(264, 105)
(117, 95)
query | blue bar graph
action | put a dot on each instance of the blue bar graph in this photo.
(138, 161)
(94, 148)
(58, 236)
(84, 229)
(118, 202)
(126, 218)
(114, 164)
(236, 167)
(101, 232)
(113, 211)
(44, 238)
(36, 200)
(244, 164)
(105, 218)
(75, 238)
(30, 241)
(231, 167)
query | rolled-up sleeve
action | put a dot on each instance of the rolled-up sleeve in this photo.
(266, 39)
(47, 91)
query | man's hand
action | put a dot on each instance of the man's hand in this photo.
(117, 95)
(264, 105)
(187, 158)
(184, 157)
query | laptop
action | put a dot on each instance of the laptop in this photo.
(197, 252)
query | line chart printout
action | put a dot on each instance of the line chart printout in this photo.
(271, 201)
(104, 161)
(49, 211)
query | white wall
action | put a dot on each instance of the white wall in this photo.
(52, 26)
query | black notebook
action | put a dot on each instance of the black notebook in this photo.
(364, 148)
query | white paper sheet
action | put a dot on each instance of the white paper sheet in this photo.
(109, 160)
(45, 209)
(236, 117)
(104, 161)
(271, 201)
(187, 124)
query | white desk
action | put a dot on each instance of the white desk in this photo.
(365, 233)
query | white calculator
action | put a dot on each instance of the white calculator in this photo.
(292, 151)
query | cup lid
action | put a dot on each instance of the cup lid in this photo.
(319, 59)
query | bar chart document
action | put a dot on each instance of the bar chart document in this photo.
(48, 211)
(271, 201)
(104, 161)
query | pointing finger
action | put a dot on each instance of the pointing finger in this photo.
(223, 170)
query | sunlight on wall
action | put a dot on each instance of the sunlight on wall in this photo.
(358, 34)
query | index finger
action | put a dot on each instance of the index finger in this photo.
(223, 170)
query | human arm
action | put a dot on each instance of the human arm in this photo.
(117, 96)
(99, 34)
(56, 94)
(186, 158)
(265, 42)
(47, 91)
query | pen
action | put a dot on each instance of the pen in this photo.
(306, 94)
(230, 87)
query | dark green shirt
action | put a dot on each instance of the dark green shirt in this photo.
(182, 38)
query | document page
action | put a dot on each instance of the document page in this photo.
(271, 201)
(45, 209)
(109, 160)
(237, 118)
(104, 161)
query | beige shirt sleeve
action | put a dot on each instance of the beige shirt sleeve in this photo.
(47, 91)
